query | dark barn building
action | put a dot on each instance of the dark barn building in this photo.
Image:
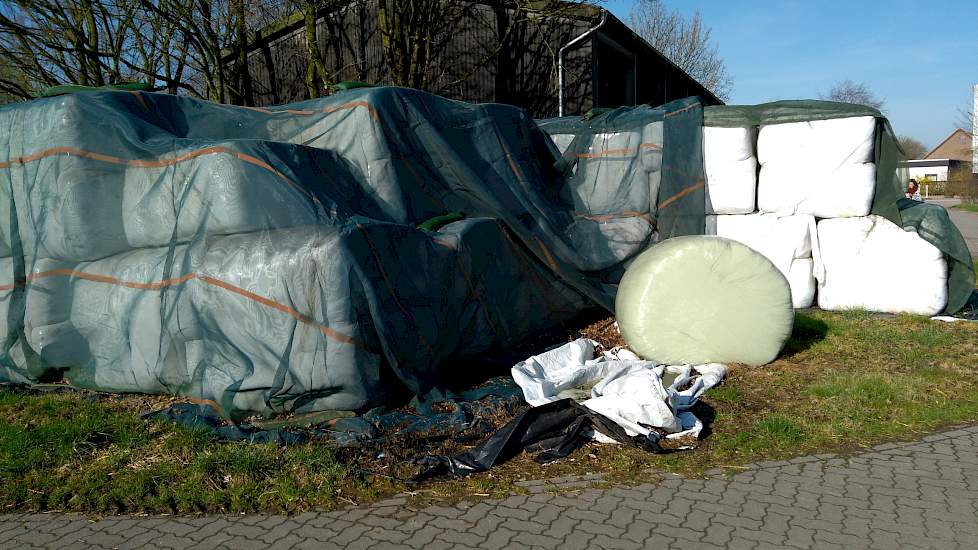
(487, 57)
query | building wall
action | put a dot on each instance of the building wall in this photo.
(658, 81)
(974, 133)
(937, 173)
(957, 146)
(613, 68)
(471, 66)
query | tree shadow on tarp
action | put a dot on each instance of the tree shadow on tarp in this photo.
(807, 331)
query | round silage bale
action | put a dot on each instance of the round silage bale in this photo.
(704, 299)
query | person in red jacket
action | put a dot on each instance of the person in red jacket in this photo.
(913, 190)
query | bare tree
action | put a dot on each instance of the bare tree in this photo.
(686, 42)
(848, 91)
(913, 148)
(415, 33)
(12, 84)
(173, 45)
(966, 119)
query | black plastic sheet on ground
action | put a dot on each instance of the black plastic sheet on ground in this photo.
(553, 430)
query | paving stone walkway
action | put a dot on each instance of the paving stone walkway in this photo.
(909, 495)
(967, 223)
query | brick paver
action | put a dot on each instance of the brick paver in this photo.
(967, 223)
(899, 495)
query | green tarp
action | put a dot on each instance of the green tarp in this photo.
(271, 260)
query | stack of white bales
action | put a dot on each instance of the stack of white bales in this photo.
(731, 194)
(814, 191)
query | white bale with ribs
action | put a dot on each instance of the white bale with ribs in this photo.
(731, 170)
(824, 168)
(785, 240)
(872, 263)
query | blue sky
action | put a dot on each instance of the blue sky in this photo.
(920, 57)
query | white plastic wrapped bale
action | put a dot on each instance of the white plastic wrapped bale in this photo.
(31, 298)
(872, 263)
(609, 211)
(785, 240)
(5, 251)
(47, 310)
(77, 213)
(824, 167)
(6, 292)
(354, 132)
(731, 170)
(704, 299)
(562, 141)
(801, 278)
(278, 309)
(46, 303)
(130, 322)
(12, 357)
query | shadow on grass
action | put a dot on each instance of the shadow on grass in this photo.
(707, 415)
(807, 332)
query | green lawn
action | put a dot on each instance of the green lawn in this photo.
(845, 381)
(968, 206)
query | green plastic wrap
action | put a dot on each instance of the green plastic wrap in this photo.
(704, 299)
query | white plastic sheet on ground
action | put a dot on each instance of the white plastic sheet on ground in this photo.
(628, 390)
(949, 319)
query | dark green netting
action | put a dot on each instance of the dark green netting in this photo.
(933, 224)
(76, 88)
(779, 112)
(930, 221)
(270, 260)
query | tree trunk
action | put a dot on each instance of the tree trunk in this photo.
(246, 95)
(317, 77)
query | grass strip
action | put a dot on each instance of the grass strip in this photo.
(845, 381)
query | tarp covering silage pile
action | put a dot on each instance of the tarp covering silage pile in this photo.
(268, 260)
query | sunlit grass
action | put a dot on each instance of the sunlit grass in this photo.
(845, 381)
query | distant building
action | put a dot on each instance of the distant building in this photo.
(974, 133)
(609, 66)
(954, 153)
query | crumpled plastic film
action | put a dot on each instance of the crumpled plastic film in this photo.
(619, 385)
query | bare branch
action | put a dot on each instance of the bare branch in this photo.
(687, 43)
(848, 91)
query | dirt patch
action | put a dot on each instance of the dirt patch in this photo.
(604, 332)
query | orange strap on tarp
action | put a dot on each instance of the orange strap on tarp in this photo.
(213, 281)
